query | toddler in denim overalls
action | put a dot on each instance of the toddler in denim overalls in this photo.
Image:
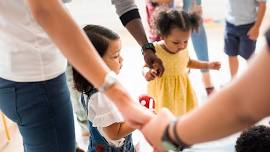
(108, 130)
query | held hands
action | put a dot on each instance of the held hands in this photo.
(151, 74)
(214, 65)
(134, 114)
(154, 129)
(153, 62)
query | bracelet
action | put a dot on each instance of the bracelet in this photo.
(181, 144)
(109, 80)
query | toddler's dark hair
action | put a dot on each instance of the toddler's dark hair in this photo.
(100, 38)
(166, 19)
(254, 139)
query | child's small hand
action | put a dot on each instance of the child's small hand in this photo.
(253, 33)
(214, 65)
(151, 75)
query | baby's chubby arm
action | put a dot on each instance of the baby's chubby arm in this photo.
(118, 130)
(197, 64)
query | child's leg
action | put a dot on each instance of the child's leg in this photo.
(231, 46)
(247, 46)
(233, 64)
(209, 88)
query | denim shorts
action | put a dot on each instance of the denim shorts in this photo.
(237, 42)
(43, 113)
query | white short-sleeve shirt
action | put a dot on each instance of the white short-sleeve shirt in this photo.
(27, 54)
(242, 12)
(103, 113)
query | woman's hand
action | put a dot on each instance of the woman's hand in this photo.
(154, 129)
(134, 114)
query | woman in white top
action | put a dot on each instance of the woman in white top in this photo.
(33, 91)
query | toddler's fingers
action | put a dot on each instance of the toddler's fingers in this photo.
(153, 72)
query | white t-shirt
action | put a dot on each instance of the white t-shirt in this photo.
(102, 113)
(26, 52)
(242, 12)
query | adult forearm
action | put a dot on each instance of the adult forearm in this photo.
(130, 18)
(136, 29)
(242, 103)
(206, 122)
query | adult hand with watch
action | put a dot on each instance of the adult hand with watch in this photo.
(159, 132)
(150, 58)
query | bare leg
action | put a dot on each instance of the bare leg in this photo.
(233, 63)
(207, 82)
(207, 79)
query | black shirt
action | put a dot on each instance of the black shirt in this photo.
(267, 35)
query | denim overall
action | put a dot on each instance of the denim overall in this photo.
(97, 143)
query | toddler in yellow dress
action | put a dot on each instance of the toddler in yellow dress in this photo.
(173, 89)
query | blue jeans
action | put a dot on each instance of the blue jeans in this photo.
(43, 113)
(198, 38)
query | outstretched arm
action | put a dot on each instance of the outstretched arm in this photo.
(73, 43)
(197, 64)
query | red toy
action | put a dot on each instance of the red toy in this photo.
(147, 101)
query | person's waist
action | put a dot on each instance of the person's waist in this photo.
(32, 72)
(240, 25)
(240, 20)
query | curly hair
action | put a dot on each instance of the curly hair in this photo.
(165, 19)
(100, 38)
(254, 139)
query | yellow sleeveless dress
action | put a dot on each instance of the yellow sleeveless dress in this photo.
(173, 90)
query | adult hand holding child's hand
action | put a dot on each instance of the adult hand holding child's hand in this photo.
(154, 129)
